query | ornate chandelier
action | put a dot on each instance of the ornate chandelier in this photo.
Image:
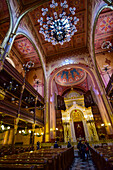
(58, 28)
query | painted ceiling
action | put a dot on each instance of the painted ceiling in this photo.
(104, 29)
(4, 19)
(81, 88)
(77, 41)
(25, 50)
(69, 77)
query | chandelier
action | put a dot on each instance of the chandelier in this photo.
(58, 28)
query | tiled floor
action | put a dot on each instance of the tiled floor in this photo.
(79, 164)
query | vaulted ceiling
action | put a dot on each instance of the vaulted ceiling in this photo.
(25, 50)
(104, 29)
(79, 38)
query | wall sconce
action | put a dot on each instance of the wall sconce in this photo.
(109, 124)
(3, 128)
(51, 129)
(106, 69)
(102, 124)
(24, 132)
(38, 134)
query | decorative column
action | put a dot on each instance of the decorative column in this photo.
(35, 108)
(86, 129)
(104, 105)
(46, 113)
(5, 48)
(65, 133)
(15, 130)
(52, 119)
(73, 137)
(32, 135)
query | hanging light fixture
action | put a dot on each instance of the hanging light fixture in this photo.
(60, 27)
(107, 45)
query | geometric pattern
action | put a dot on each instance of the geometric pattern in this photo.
(26, 49)
(70, 77)
(24, 46)
(104, 30)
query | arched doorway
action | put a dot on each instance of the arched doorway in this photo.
(77, 118)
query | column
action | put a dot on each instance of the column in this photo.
(15, 130)
(86, 130)
(35, 108)
(32, 135)
(73, 137)
(46, 114)
(65, 133)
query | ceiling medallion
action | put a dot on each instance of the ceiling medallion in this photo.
(58, 28)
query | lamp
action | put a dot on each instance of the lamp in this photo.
(41, 107)
(39, 134)
(60, 27)
(11, 86)
(3, 128)
(25, 132)
(28, 65)
(107, 45)
(106, 68)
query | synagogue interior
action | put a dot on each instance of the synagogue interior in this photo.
(56, 82)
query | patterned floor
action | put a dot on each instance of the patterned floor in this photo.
(79, 164)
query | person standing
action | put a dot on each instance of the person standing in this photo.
(87, 148)
(79, 148)
(38, 145)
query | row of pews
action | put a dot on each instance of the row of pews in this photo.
(43, 159)
(9, 150)
(103, 157)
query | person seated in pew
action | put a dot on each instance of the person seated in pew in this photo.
(56, 144)
(68, 145)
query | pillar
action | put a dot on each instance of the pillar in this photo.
(46, 114)
(73, 137)
(32, 136)
(86, 130)
(15, 130)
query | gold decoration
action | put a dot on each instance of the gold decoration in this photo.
(2, 94)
